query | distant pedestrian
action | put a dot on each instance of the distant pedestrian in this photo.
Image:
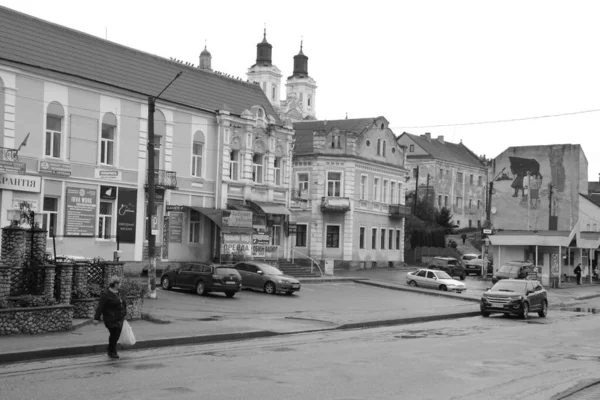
(463, 237)
(113, 309)
(577, 272)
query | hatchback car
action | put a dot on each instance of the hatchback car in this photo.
(434, 279)
(449, 265)
(203, 278)
(513, 270)
(262, 276)
(516, 297)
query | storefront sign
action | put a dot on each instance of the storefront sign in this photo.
(126, 213)
(175, 227)
(54, 168)
(174, 208)
(108, 192)
(261, 239)
(264, 251)
(81, 211)
(21, 183)
(292, 228)
(112, 174)
(159, 195)
(13, 167)
(241, 219)
(33, 204)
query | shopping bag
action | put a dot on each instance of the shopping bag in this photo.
(127, 337)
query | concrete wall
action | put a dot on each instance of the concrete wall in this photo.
(589, 215)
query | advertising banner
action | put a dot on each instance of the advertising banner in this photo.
(175, 227)
(126, 213)
(240, 219)
(81, 211)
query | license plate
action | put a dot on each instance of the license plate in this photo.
(295, 285)
(497, 305)
(230, 283)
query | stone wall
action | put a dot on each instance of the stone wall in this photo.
(34, 320)
(86, 308)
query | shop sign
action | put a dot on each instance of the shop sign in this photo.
(159, 195)
(13, 167)
(264, 251)
(126, 214)
(112, 174)
(33, 204)
(175, 227)
(81, 212)
(174, 208)
(292, 228)
(54, 168)
(21, 183)
(240, 219)
(108, 192)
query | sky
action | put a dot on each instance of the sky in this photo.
(484, 72)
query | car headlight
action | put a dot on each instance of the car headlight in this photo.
(516, 297)
(284, 281)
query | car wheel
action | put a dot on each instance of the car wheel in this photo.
(229, 294)
(200, 289)
(485, 314)
(166, 283)
(525, 311)
(463, 276)
(270, 288)
(289, 293)
(544, 311)
(413, 284)
(443, 288)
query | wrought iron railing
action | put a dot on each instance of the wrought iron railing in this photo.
(313, 262)
(336, 204)
(299, 194)
(400, 210)
(164, 179)
(7, 154)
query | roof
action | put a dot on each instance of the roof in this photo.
(594, 199)
(304, 130)
(31, 43)
(446, 151)
(593, 187)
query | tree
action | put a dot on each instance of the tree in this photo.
(444, 220)
(426, 213)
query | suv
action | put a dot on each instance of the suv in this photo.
(513, 270)
(449, 265)
(515, 296)
(203, 278)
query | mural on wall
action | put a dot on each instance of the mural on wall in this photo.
(521, 194)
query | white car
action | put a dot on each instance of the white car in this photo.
(429, 278)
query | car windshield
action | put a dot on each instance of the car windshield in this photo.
(270, 270)
(509, 286)
(469, 257)
(506, 268)
(443, 275)
(226, 271)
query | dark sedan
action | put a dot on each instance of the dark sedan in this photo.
(515, 297)
(203, 278)
(261, 276)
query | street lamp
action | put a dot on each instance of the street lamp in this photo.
(151, 193)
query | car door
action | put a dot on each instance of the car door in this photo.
(534, 302)
(241, 268)
(196, 273)
(431, 279)
(420, 278)
(181, 278)
(254, 277)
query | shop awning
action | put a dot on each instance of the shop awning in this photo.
(212, 213)
(272, 208)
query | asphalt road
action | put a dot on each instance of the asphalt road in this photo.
(472, 358)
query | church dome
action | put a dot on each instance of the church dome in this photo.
(263, 51)
(300, 64)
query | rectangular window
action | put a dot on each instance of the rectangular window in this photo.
(440, 201)
(478, 223)
(390, 239)
(478, 204)
(363, 187)
(480, 181)
(107, 144)
(303, 182)
(234, 165)
(470, 179)
(194, 226)
(470, 203)
(197, 159)
(334, 184)
(105, 220)
(333, 236)
(415, 172)
(276, 235)
(277, 170)
(157, 144)
(336, 142)
(376, 193)
(374, 238)
(459, 177)
(361, 237)
(445, 201)
(441, 173)
(470, 224)
(382, 239)
(50, 220)
(257, 168)
(394, 193)
(397, 239)
(384, 195)
(301, 235)
(459, 202)
(53, 135)
(399, 192)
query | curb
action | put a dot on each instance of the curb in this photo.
(308, 281)
(576, 389)
(420, 291)
(33, 355)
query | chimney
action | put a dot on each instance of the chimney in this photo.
(440, 138)
(427, 136)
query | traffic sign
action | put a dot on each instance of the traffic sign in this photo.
(487, 231)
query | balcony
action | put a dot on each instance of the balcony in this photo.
(299, 194)
(164, 179)
(399, 211)
(335, 204)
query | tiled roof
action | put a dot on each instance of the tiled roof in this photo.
(446, 151)
(29, 42)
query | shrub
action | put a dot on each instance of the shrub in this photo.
(94, 290)
(133, 288)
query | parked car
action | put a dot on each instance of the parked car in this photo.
(440, 280)
(513, 270)
(203, 278)
(449, 265)
(470, 256)
(516, 297)
(474, 266)
(262, 276)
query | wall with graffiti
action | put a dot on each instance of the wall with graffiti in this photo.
(537, 187)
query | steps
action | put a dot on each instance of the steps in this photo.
(298, 271)
(463, 248)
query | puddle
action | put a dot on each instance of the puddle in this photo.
(581, 309)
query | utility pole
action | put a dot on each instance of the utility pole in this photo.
(416, 193)
(528, 197)
(151, 193)
(427, 196)
(550, 206)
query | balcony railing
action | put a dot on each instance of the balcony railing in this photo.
(335, 204)
(399, 210)
(9, 154)
(164, 179)
(299, 194)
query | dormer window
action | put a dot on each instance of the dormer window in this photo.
(261, 113)
(382, 126)
(336, 142)
(411, 148)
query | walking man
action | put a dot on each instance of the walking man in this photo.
(577, 272)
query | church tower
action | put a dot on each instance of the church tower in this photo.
(302, 87)
(265, 73)
(205, 60)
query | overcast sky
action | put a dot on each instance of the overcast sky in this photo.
(418, 63)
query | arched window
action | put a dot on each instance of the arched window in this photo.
(258, 162)
(384, 148)
(107, 141)
(55, 116)
(197, 153)
(273, 92)
(378, 147)
(234, 165)
(160, 131)
(308, 101)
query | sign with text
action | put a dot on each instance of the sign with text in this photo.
(55, 168)
(80, 219)
(33, 204)
(261, 239)
(112, 174)
(108, 192)
(21, 183)
(14, 167)
(240, 219)
(174, 208)
(159, 195)
(176, 227)
(126, 213)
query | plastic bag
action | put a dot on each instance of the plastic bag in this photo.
(127, 337)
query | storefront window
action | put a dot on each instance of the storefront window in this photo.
(50, 220)
(276, 235)
(194, 226)
(105, 220)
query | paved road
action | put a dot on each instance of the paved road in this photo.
(467, 359)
